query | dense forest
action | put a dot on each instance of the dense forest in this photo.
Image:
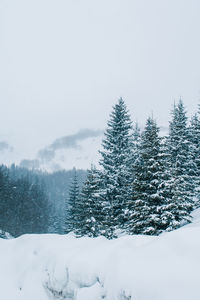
(146, 183)
(34, 201)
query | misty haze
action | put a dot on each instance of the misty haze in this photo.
(99, 150)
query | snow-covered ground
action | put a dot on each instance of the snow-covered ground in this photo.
(43, 267)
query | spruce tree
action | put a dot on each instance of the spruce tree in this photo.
(194, 136)
(90, 210)
(179, 202)
(175, 211)
(136, 137)
(148, 185)
(72, 203)
(135, 154)
(135, 147)
(115, 162)
(179, 150)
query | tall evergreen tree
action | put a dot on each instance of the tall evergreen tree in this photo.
(148, 184)
(115, 161)
(135, 154)
(194, 136)
(180, 164)
(72, 213)
(136, 142)
(179, 150)
(136, 136)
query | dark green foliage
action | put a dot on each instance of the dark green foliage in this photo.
(56, 186)
(23, 205)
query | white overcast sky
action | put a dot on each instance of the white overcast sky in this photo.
(64, 63)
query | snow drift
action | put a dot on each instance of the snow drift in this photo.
(53, 267)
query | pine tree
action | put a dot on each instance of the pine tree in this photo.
(90, 210)
(179, 149)
(136, 136)
(148, 186)
(194, 136)
(115, 161)
(72, 203)
(179, 202)
(175, 211)
(135, 147)
(135, 154)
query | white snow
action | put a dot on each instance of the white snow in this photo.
(53, 267)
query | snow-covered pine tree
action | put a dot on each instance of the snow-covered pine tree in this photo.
(135, 154)
(135, 150)
(175, 211)
(90, 210)
(136, 136)
(115, 162)
(180, 197)
(148, 184)
(72, 205)
(194, 136)
(179, 149)
(178, 132)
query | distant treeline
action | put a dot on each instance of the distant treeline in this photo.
(34, 201)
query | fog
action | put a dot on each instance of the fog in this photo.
(63, 64)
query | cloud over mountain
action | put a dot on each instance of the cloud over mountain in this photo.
(4, 146)
(67, 142)
(50, 156)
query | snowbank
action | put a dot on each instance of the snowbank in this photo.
(5, 235)
(53, 267)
